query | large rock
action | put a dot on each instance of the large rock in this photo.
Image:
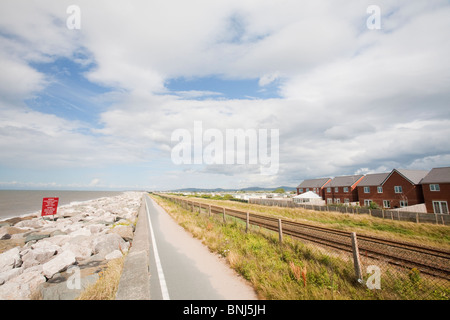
(32, 223)
(80, 250)
(81, 232)
(10, 259)
(107, 243)
(7, 275)
(114, 255)
(59, 263)
(40, 255)
(126, 232)
(6, 232)
(22, 286)
(36, 236)
(58, 240)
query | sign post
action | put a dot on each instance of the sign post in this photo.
(49, 207)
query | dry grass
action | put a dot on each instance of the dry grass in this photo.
(421, 233)
(106, 286)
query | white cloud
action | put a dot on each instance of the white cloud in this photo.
(353, 99)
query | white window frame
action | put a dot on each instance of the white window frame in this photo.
(367, 202)
(337, 200)
(380, 189)
(403, 203)
(329, 200)
(366, 189)
(386, 203)
(328, 190)
(398, 189)
(435, 187)
(345, 189)
(336, 189)
(440, 207)
(346, 200)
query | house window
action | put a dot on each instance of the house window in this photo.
(403, 203)
(380, 189)
(434, 187)
(398, 189)
(366, 189)
(440, 207)
(336, 189)
(346, 200)
(367, 202)
(345, 189)
(337, 200)
(300, 190)
(328, 190)
(386, 203)
(307, 189)
(329, 201)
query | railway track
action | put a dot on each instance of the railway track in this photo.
(429, 260)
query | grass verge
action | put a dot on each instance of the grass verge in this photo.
(421, 233)
(294, 270)
(105, 287)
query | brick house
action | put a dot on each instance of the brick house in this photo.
(370, 189)
(436, 190)
(314, 185)
(342, 189)
(402, 188)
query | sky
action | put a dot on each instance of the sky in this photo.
(93, 92)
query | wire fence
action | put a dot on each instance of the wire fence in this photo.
(385, 268)
(419, 217)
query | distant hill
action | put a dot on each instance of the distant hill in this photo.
(287, 189)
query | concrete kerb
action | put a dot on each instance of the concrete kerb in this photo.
(134, 282)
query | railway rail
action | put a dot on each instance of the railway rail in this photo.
(426, 259)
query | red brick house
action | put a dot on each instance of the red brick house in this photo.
(315, 185)
(402, 188)
(436, 190)
(342, 189)
(370, 189)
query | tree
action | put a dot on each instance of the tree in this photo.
(279, 190)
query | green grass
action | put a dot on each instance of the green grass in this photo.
(294, 270)
(422, 233)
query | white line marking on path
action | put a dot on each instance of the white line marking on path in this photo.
(162, 280)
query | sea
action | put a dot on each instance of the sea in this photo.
(16, 203)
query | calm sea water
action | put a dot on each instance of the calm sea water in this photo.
(14, 203)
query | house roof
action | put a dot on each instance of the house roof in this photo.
(374, 179)
(437, 175)
(413, 176)
(308, 195)
(314, 183)
(345, 181)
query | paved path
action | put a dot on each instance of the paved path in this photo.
(182, 268)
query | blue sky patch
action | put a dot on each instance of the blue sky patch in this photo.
(218, 88)
(69, 94)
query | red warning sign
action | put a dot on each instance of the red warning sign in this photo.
(49, 206)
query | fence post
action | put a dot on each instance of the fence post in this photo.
(417, 217)
(247, 222)
(280, 231)
(209, 210)
(356, 260)
(224, 216)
